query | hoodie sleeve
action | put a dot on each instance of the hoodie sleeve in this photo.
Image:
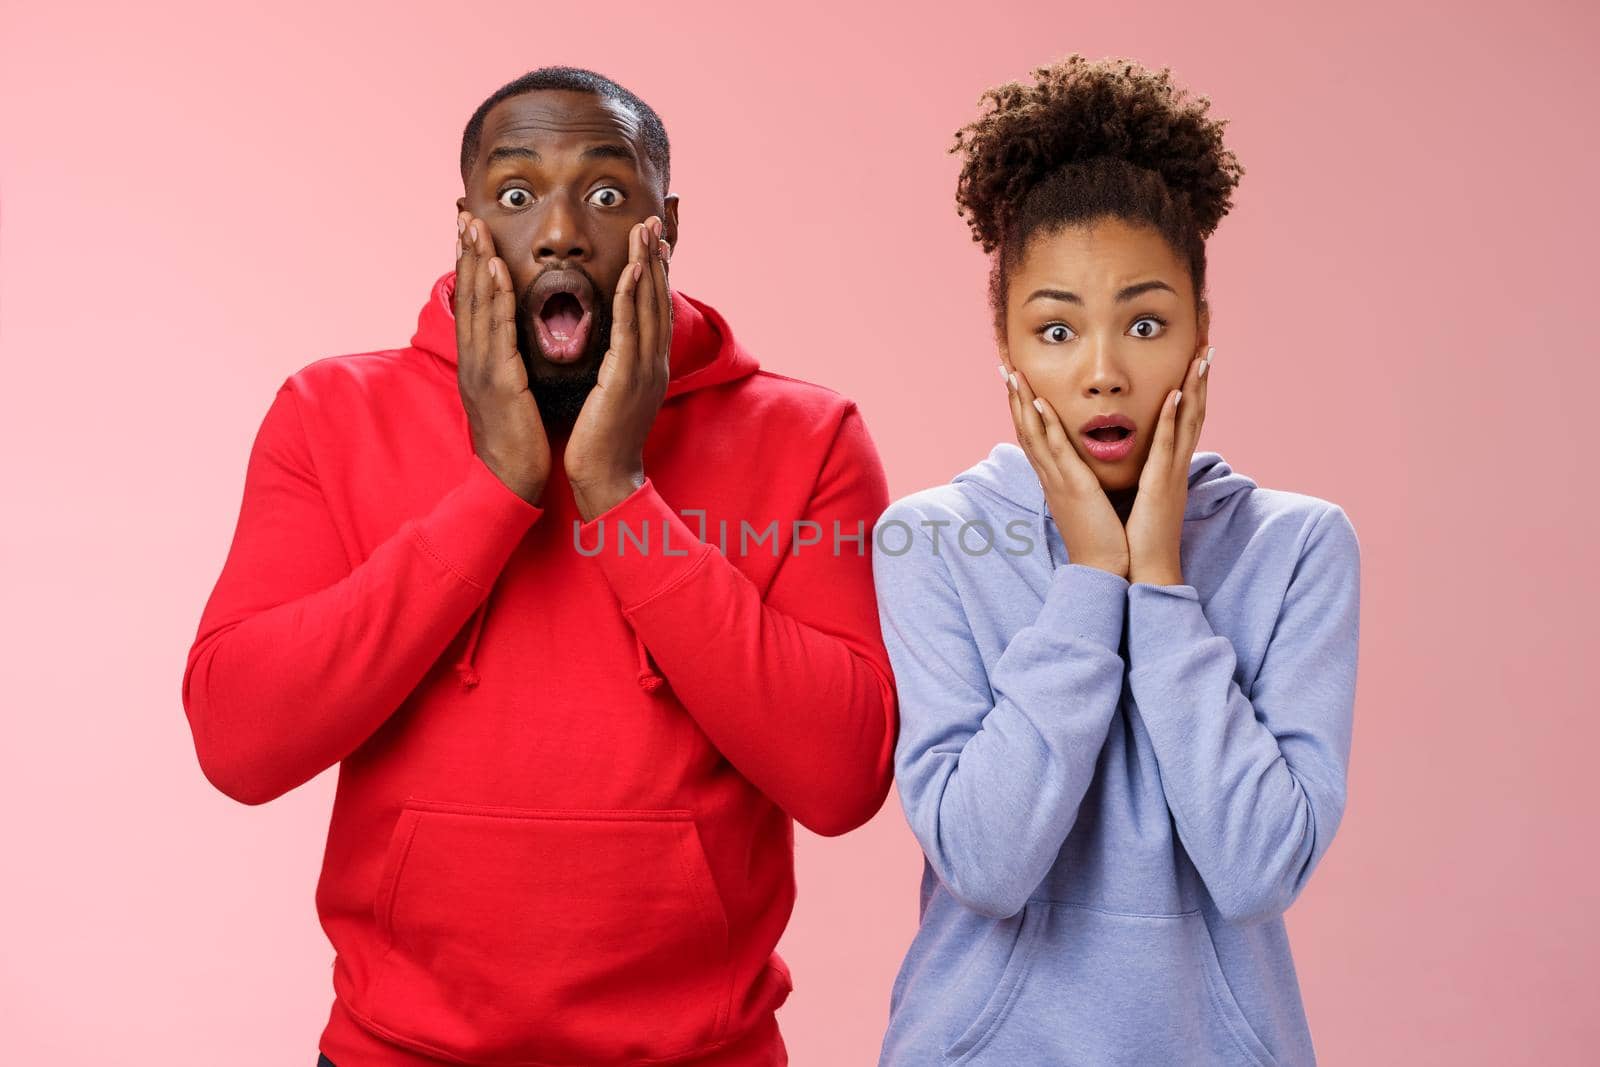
(798, 694)
(991, 765)
(1256, 786)
(300, 656)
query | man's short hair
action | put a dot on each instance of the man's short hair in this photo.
(652, 132)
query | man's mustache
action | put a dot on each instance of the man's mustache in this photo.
(527, 310)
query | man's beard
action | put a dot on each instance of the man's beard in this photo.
(560, 399)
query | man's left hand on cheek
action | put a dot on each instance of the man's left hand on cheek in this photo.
(605, 453)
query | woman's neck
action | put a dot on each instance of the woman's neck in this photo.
(1122, 501)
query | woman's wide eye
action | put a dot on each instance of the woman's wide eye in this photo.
(608, 196)
(1055, 333)
(525, 197)
(1147, 327)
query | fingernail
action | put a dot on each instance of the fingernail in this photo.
(1211, 350)
(1177, 399)
(1011, 380)
(473, 230)
(1205, 365)
(1001, 367)
(1038, 405)
(461, 224)
(460, 248)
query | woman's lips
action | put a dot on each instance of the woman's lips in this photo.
(1109, 451)
(1100, 436)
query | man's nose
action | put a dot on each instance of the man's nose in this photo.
(561, 234)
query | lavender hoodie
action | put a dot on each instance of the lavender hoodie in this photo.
(1118, 788)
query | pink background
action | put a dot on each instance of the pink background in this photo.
(198, 199)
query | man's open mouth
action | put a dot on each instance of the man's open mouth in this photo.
(563, 299)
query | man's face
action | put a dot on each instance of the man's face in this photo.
(560, 178)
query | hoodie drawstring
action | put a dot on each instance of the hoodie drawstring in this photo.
(649, 678)
(464, 665)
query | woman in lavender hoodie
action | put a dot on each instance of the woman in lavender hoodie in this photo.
(1126, 671)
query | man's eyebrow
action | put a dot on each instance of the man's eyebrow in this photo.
(610, 150)
(511, 152)
(604, 150)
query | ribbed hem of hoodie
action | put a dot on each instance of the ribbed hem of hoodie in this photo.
(1087, 603)
(671, 548)
(349, 1042)
(477, 525)
(1163, 619)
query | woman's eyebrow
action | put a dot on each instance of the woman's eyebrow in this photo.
(1123, 295)
(1143, 287)
(1053, 294)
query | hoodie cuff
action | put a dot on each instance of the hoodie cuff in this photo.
(1163, 619)
(1087, 603)
(643, 546)
(477, 525)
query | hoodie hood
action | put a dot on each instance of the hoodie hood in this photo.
(704, 353)
(1006, 473)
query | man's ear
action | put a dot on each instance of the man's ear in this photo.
(669, 221)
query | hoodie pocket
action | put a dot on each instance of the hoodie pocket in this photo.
(997, 1007)
(1085, 986)
(515, 936)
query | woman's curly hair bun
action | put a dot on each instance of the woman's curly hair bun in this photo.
(1078, 111)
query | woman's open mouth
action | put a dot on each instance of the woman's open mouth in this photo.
(563, 298)
(1108, 438)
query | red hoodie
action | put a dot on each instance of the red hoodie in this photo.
(562, 830)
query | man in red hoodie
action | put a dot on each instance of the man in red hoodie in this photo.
(584, 627)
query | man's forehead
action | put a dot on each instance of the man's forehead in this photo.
(537, 115)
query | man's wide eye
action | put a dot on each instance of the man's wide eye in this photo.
(526, 197)
(1147, 327)
(609, 196)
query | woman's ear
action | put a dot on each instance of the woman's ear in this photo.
(1202, 338)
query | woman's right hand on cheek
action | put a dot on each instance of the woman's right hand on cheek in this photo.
(1089, 525)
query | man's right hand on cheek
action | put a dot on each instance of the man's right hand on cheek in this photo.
(507, 433)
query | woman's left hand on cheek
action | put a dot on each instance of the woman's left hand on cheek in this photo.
(1155, 525)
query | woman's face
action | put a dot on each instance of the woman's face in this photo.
(1101, 320)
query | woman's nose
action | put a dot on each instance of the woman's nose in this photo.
(1103, 374)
